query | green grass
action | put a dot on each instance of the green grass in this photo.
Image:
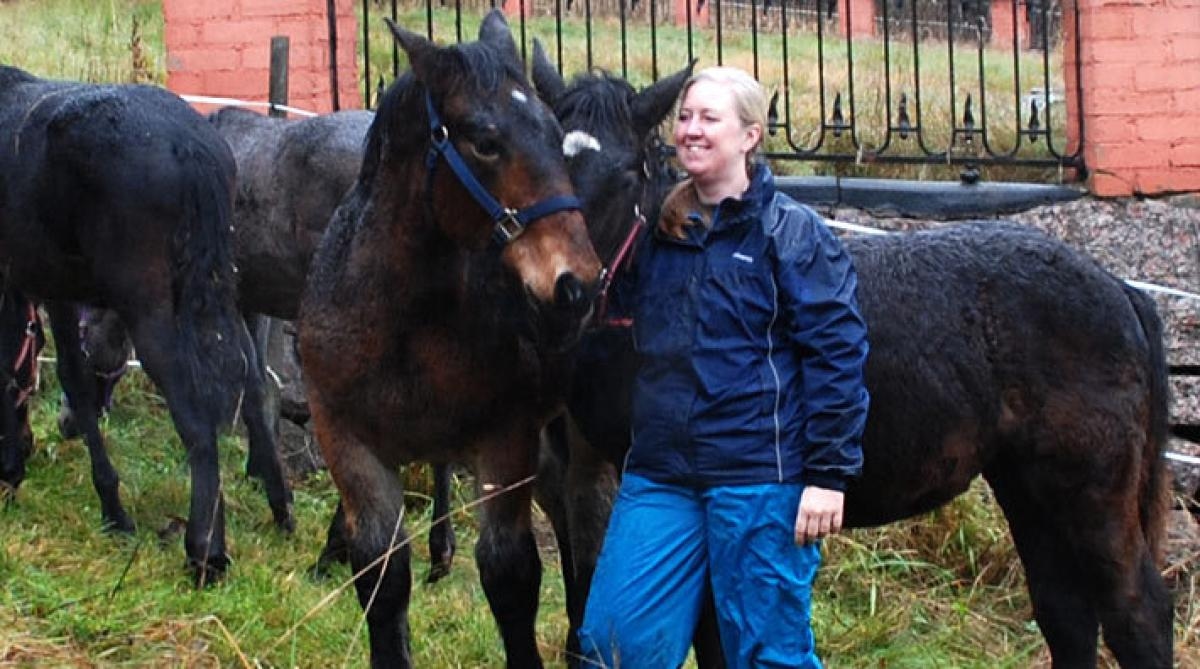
(942, 591)
(73, 592)
(85, 40)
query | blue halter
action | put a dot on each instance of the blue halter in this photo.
(509, 223)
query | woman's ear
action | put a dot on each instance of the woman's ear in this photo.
(754, 134)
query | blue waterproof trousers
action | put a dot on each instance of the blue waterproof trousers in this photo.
(667, 544)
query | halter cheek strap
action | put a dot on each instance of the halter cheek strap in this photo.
(508, 223)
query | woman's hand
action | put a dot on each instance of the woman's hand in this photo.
(819, 515)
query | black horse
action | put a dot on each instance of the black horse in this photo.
(120, 197)
(995, 351)
(21, 340)
(291, 177)
(619, 168)
(459, 273)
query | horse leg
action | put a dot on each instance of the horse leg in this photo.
(706, 640)
(551, 495)
(506, 553)
(441, 534)
(78, 383)
(263, 459)
(590, 488)
(370, 520)
(260, 331)
(158, 349)
(336, 549)
(1088, 567)
(12, 451)
(1059, 595)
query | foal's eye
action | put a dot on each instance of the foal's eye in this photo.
(486, 144)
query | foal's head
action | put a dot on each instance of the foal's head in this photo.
(614, 153)
(466, 130)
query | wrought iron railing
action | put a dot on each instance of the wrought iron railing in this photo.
(969, 93)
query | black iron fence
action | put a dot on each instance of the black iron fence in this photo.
(931, 82)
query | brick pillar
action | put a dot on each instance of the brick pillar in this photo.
(856, 18)
(700, 15)
(1005, 19)
(222, 48)
(514, 8)
(1140, 98)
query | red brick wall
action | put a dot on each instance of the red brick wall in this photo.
(223, 48)
(1141, 95)
(1009, 18)
(856, 18)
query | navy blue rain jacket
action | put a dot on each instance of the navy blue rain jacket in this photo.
(751, 349)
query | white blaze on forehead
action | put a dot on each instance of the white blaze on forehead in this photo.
(519, 96)
(577, 141)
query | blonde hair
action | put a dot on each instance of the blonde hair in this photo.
(749, 98)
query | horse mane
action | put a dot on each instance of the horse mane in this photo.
(11, 75)
(598, 99)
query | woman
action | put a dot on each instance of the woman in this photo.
(749, 406)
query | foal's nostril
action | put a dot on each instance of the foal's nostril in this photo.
(569, 292)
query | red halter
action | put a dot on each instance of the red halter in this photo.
(622, 259)
(28, 356)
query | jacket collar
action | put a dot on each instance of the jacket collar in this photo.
(734, 211)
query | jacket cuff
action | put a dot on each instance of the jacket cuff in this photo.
(827, 480)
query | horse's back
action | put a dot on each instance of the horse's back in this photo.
(88, 164)
(983, 336)
(291, 176)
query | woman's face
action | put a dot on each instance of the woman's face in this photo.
(710, 139)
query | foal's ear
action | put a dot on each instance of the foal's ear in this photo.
(494, 30)
(546, 79)
(654, 102)
(421, 52)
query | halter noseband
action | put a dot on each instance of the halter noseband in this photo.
(508, 223)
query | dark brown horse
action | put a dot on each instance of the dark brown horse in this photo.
(120, 197)
(995, 351)
(439, 311)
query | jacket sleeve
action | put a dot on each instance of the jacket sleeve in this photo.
(818, 296)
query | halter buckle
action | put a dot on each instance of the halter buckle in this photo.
(508, 226)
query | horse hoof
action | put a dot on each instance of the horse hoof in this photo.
(66, 424)
(209, 570)
(170, 532)
(437, 572)
(286, 521)
(320, 571)
(440, 568)
(119, 525)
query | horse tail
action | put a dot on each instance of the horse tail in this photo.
(1153, 502)
(203, 285)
